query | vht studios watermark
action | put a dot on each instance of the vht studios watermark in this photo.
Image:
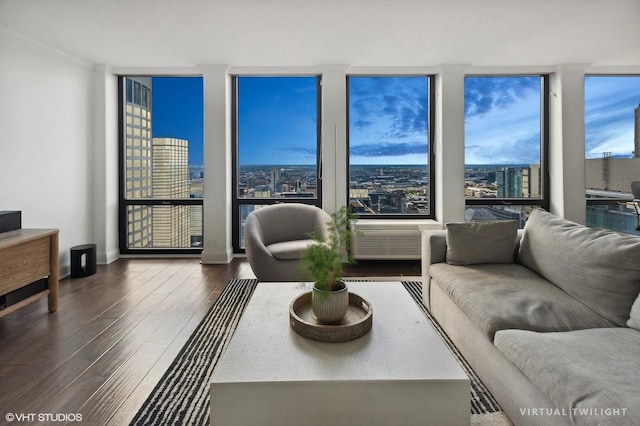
(43, 417)
(574, 412)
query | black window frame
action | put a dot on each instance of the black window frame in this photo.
(124, 202)
(237, 202)
(544, 200)
(431, 120)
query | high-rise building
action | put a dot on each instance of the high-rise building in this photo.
(275, 180)
(138, 146)
(610, 177)
(509, 180)
(533, 187)
(196, 226)
(171, 224)
(155, 168)
(518, 182)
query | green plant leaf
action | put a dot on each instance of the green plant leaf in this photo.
(323, 260)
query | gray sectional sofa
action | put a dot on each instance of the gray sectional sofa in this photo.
(547, 316)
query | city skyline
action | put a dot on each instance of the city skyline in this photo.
(502, 119)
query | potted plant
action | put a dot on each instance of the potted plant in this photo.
(323, 261)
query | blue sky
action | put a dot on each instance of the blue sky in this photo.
(388, 118)
(609, 114)
(176, 112)
(277, 120)
(502, 120)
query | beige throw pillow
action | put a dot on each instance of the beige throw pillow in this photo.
(485, 242)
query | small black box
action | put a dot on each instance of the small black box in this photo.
(10, 220)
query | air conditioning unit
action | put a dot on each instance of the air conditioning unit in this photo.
(389, 239)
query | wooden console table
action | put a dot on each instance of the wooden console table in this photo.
(27, 255)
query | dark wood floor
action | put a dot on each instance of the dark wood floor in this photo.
(115, 334)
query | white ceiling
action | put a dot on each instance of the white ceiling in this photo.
(368, 33)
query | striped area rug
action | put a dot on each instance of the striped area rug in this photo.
(481, 399)
(182, 395)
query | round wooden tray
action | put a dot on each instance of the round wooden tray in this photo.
(355, 324)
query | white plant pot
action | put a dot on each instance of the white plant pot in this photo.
(330, 306)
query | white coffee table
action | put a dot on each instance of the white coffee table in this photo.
(400, 373)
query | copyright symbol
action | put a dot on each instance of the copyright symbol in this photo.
(9, 417)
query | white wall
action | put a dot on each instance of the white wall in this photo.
(105, 164)
(566, 143)
(334, 136)
(45, 140)
(217, 165)
(449, 141)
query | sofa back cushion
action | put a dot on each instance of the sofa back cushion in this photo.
(470, 243)
(598, 267)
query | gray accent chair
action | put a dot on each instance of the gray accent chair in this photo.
(276, 236)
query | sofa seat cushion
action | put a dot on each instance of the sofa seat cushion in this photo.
(594, 370)
(502, 296)
(289, 250)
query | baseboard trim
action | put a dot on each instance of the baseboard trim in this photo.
(214, 257)
(106, 258)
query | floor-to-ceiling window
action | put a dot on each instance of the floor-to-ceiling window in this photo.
(276, 156)
(161, 172)
(389, 137)
(506, 134)
(612, 149)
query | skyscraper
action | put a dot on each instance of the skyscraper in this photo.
(138, 147)
(156, 168)
(171, 224)
(530, 184)
(509, 180)
(275, 180)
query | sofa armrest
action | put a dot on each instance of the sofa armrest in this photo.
(434, 250)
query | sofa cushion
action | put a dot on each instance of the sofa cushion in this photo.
(289, 250)
(634, 318)
(501, 296)
(596, 266)
(593, 370)
(470, 243)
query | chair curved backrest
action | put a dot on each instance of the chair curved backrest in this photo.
(275, 237)
(291, 221)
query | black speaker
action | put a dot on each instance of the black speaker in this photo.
(83, 260)
(10, 220)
